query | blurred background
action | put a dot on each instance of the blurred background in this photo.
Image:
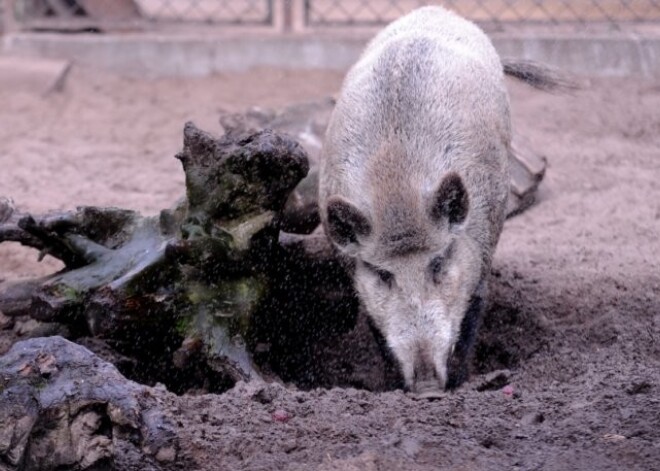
(608, 37)
(301, 14)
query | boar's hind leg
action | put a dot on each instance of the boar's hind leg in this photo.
(457, 364)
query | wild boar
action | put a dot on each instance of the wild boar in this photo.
(414, 183)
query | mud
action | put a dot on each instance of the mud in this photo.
(566, 374)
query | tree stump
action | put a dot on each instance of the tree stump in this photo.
(190, 278)
(65, 408)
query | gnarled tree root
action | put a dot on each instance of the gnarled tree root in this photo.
(65, 408)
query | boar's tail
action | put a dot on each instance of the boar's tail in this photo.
(538, 75)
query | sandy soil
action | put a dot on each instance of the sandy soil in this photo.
(575, 322)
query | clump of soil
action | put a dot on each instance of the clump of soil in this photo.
(566, 372)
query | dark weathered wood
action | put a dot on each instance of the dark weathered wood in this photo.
(197, 271)
(62, 407)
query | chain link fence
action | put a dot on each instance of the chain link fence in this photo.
(313, 14)
(69, 14)
(500, 12)
(209, 11)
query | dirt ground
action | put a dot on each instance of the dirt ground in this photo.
(574, 329)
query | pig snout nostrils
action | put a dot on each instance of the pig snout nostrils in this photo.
(425, 375)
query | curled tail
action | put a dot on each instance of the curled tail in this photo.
(538, 75)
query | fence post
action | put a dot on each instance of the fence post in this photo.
(297, 10)
(8, 18)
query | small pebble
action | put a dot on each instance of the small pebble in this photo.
(280, 415)
(508, 390)
(166, 455)
(532, 418)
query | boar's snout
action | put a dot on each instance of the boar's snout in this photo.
(426, 380)
(427, 387)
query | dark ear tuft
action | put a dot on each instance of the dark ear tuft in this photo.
(450, 200)
(345, 222)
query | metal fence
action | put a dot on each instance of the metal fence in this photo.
(377, 12)
(323, 14)
(72, 14)
(209, 11)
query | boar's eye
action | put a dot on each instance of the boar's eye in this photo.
(438, 264)
(385, 276)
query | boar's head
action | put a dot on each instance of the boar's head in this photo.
(416, 271)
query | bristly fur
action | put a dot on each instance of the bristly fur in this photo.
(539, 76)
(417, 147)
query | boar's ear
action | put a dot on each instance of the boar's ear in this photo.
(345, 222)
(450, 200)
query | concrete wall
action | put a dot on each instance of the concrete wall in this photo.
(153, 54)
